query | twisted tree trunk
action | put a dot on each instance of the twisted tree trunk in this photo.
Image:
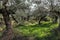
(8, 33)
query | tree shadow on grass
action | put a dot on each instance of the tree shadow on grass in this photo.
(36, 25)
(53, 36)
(48, 37)
(42, 25)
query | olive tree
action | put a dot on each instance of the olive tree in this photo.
(8, 8)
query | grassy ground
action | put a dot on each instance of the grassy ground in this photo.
(40, 32)
(44, 31)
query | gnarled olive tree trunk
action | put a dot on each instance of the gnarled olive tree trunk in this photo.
(7, 34)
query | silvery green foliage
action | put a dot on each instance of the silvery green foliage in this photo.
(32, 7)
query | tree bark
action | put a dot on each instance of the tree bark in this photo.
(39, 22)
(55, 19)
(59, 21)
(7, 34)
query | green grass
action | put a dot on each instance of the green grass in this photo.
(36, 30)
(40, 32)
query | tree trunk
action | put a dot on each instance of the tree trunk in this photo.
(39, 21)
(7, 34)
(28, 18)
(59, 21)
(55, 19)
